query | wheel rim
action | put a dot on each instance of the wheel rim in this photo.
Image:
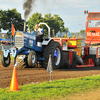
(57, 56)
(7, 60)
(33, 59)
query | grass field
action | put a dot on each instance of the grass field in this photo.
(52, 90)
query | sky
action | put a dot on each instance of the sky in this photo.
(71, 11)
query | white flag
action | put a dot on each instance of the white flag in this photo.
(2, 48)
(15, 64)
(49, 67)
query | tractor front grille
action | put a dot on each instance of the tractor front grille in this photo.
(19, 41)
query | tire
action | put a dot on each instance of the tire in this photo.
(97, 61)
(5, 60)
(50, 49)
(20, 64)
(32, 59)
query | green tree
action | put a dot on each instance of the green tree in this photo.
(59, 23)
(7, 17)
(1, 11)
(34, 19)
(82, 31)
(50, 21)
(55, 22)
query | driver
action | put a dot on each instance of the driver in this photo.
(39, 33)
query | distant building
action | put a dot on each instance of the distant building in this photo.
(3, 35)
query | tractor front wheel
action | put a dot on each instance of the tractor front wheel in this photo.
(5, 60)
(32, 59)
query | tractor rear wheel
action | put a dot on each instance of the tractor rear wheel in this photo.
(32, 59)
(20, 64)
(53, 49)
(5, 60)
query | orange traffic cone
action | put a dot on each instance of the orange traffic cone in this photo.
(14, 82)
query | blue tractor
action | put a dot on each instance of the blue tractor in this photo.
(28, 52)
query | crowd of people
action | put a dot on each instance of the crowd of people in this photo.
(7, 42)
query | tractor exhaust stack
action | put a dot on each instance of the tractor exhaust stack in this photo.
(24, 26)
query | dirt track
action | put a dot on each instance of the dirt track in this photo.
(29, 75)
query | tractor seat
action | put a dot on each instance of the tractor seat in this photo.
(39, 38)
